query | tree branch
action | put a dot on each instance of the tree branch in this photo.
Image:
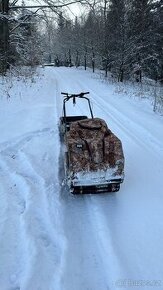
(45, 6)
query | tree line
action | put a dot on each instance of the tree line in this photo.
(21, 31)
(121, 37)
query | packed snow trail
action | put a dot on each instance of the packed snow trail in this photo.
(120, 222)
(51, 240)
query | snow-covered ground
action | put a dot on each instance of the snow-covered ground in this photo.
(51, 240)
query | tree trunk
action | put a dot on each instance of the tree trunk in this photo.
(85, 60)
(77, 59)
(4, 36)
(121, 74)
(93, 61)
(106, 67)
(105, 38)
(69, 56)
(155, 98)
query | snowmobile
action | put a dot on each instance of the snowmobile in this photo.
(93, 155)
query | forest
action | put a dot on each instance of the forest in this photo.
(123, 37)
(81, 144)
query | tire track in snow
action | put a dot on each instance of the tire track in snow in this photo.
(128, 132)
(42, 231)
(86, 249)
(12, 232)
(37, 223)
(98, 100)
(112, 265)
(23, 140)
(84, 265)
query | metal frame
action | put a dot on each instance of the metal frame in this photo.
(74, 96)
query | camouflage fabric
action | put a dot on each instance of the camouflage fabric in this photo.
(92, 146)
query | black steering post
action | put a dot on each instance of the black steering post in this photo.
(73, 97)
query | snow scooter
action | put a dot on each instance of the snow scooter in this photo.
(93, 155)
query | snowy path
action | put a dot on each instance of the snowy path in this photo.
(32, 241)
(51, 240)
(121, 231)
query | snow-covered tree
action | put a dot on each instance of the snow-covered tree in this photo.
(140, 36)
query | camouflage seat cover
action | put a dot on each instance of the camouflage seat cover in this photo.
(92, 146)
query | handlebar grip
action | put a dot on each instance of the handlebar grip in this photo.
(82, 94)
(64, 93)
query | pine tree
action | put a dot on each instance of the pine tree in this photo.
(140, 36)
(116, 37)
(156, 65)
(25, 40)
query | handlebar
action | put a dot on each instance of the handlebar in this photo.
(75, 95)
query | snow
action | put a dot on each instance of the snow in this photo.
(94, 178)
(52, 240)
